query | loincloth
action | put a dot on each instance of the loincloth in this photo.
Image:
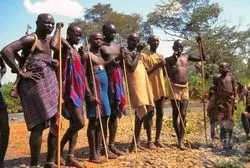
(179, 92)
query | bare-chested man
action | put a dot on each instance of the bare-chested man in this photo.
(177, 68)
(225, 98)
(117, 98)
(38, 87)
(101, 83)
(4, 123)
(75, 88)
(153, 63)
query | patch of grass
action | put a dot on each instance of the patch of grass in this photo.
(230, 164)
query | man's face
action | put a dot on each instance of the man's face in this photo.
(46, 24)
(153, 42)
(75, 35)
(132, 42)
(178, 47)
(97, 40)
(223, 68)
(110, 33)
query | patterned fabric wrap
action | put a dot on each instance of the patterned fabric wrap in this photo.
(116, 89)
(40, 99)
(74, 80)
(101, 81)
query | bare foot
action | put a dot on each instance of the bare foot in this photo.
(62, 161)
(159, 144)
(151, 146)
(71, 161)
(96, 159)
(50, 165)
(116, 151)
(111, 155)
(181, 146)
(139, 147)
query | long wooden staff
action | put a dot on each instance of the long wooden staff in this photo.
(60, 103)
(98, 105)
(129, 104)
(177, 106)
(203, 89)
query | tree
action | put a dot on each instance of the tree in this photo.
(184, 18)
(99, 14)
(188, 18)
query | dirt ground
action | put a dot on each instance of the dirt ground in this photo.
(200, 156)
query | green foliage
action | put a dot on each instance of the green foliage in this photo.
(240, 107)
(13, 104)
(188, 18)
(183, 19)
(125, 24)
(230, 164)
(195, 87)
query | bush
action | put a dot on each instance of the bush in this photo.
(237, 113)
(13, 104)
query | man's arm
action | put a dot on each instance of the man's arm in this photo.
(198, 58)
(54, 42)
(156, 66)
(9, 52)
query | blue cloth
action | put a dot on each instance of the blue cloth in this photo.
(101, 80)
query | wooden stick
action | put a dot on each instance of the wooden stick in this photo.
(203, 90)
(60, 103)
(130, 110)
(129, 104)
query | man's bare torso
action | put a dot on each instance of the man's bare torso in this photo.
(178, 69)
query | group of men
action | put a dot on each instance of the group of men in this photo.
(95, 75)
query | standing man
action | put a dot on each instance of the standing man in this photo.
(74, 88)
(225, 98)
(38, 86)
(117, 97)
(100, 87)
(153, 63)
(140, 91)
(4, 121)
(177, 68)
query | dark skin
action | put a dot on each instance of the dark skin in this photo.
(74, 34)
(177, 68)
(4, 122)
(228, 83)
(111, 52)
(94, 128)
(45, 25)
(133, 55)
(153, 42)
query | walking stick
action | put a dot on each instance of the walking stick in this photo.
(203, 89)
(129, 104)
(178, 108)
(98, 105)
(60, 102)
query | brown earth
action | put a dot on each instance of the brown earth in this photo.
(201, 155)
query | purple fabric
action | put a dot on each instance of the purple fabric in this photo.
(40, 99)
